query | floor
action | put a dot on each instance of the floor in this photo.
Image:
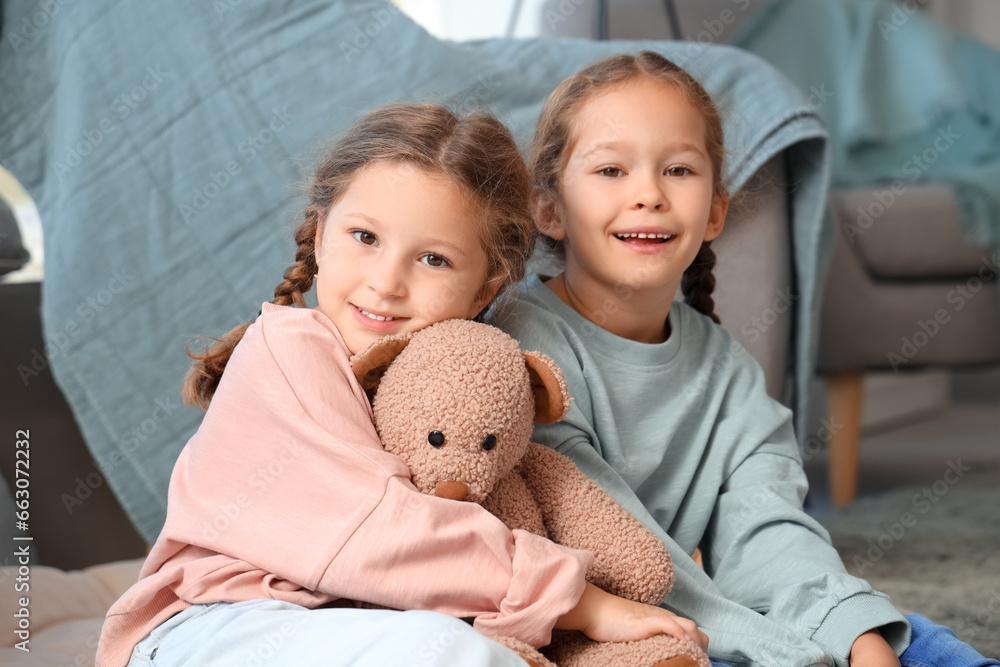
(966, 432)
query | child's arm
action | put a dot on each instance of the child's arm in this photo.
(608, 618)
(417, 551)
(763, 550)
(287, 476)
(871, 650)
(456, 567)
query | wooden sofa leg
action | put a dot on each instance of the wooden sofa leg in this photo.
(843, 406)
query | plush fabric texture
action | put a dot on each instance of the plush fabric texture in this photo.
(573, 648)
(163, 144)
(628, 560)
(456, 405)
(467, 382)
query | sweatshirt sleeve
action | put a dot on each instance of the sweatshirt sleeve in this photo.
(764, 551)
(737, 634)
(287, 473)
(417, 551)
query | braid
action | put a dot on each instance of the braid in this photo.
(205, 373)
(298, 277)
(699, 282)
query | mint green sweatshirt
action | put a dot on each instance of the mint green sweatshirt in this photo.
(684, 435)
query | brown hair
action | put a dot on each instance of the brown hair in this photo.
(475, 151)
(553, 136)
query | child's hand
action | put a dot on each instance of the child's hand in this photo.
(608, 618)
(871, 650)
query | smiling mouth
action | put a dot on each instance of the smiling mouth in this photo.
(377, 318)
(638, 237)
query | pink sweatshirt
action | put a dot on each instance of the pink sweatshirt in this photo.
(285, 492)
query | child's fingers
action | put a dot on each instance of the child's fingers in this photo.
(671, 625)
(701, 639)
(693, 632)
(684, 628)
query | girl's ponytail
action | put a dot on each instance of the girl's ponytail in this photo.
(698, 282)
(203, 377)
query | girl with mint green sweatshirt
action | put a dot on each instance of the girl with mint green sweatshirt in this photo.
(669, 413)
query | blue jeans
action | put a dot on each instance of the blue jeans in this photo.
(933, 646)
(266, 633)
(258, 632)
(937, 646)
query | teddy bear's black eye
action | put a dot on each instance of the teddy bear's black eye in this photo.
(489, 442)
(436, 438)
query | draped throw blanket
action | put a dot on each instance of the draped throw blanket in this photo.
(904, 98)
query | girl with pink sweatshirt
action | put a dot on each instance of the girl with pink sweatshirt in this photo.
(283, 508)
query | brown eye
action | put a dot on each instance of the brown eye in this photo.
(436, 438)
(363, 236)
(489, 442)
(437, 261)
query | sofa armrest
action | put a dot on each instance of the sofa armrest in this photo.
(755, 292)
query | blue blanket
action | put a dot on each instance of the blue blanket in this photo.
(163, 143)
(904, 98)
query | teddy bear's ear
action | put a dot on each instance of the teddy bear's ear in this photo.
(548, 386)
(370, 364)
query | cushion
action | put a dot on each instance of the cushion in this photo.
(903, 231)
(67, 610)
(906, 324)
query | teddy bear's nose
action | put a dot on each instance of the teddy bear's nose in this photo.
(451, 490)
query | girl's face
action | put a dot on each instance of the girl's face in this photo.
(637, 198)
(398, 252)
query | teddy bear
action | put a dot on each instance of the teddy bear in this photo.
(457, 402)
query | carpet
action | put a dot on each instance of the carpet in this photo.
(934, 548)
